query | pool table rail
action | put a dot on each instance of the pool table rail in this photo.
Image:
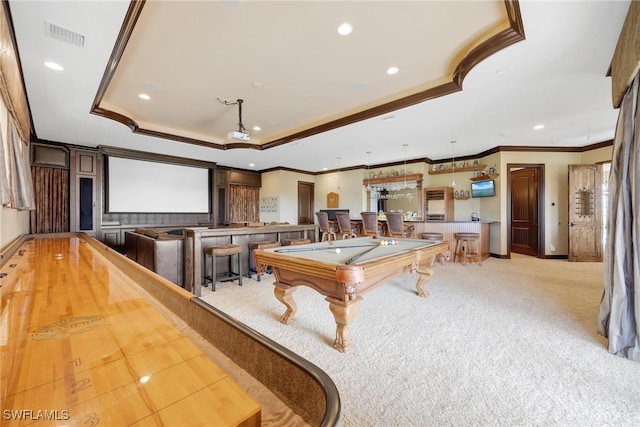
(344, 285)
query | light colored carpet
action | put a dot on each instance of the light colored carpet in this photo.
(513, 342)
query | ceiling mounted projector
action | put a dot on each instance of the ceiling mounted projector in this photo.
(242, 134)
(238, 136)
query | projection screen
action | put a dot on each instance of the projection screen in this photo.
(139, 186)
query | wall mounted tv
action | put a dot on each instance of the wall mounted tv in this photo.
(483, 188)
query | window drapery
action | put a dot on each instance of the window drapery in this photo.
(52, 200)
(17, 189)
(619, 316)
(5, 191)
(244, 203)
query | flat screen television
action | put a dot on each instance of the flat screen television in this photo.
(483, 188)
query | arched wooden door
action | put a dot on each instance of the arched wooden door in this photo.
(585, 213)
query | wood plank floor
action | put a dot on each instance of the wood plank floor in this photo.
(80, 345)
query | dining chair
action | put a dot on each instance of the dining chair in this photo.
(370, 225)
(326, 229)
(345, 227)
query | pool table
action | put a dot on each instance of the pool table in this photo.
(344, 270)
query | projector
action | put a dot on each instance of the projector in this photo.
(238, 136)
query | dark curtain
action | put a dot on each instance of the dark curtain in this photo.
(619, 317)
(244, 203)
(51, 188)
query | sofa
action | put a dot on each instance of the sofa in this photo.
(161, 251)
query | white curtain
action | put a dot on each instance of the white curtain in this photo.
(16, 190)
(5, 192)
(619, 317)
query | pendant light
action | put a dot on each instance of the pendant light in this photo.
(338, 174)
(405, 166)
(453, 163)
(368, 173)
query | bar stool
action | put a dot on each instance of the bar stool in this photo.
(467, 247)
(251, 260)
(293, 242)
(228, 250)
(438, 237)
(260, 269)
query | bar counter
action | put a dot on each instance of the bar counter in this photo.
(198, 238)
(449, 228)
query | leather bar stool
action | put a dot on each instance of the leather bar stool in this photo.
(251, 260)
(292, 242)
(467, 247)
(438, 237)
(260, 269)
(226, 250)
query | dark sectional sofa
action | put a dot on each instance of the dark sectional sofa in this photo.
(161, 251)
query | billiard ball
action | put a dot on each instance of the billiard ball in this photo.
(337, 250)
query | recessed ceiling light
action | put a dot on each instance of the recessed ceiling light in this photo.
(53, 66)
(251, 165)
(256, 128)
(538, 127)
(324, 169)
(345, 29)
(392, 70)
(144, 96)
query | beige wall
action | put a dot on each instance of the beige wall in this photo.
(599, 155)
(13, 223)
(284, 185)
(353, 194)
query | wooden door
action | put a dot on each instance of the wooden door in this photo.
(525, 211)
(305, 202)
(585, 213)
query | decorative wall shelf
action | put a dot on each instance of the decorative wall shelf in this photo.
(463, 169)
(485, 177)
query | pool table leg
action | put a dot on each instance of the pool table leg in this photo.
(344, 313)
(425, 272)
(284, 294)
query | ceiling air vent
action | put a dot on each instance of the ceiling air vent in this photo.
(63, 34)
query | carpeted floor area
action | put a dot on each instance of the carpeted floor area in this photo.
(513, 342)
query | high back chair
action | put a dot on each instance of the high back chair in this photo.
(326, 229)
(396, 226)
(369, 223)
(344, 225)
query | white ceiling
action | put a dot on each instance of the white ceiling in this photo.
(556, 77)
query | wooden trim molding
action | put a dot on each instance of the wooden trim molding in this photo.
(153, 157)
(513, 34)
